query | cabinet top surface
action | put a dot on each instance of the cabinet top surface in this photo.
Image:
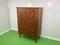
(28, 7)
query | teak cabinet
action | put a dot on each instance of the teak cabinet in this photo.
(29, 21)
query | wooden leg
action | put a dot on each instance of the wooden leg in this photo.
(36, 40)
(20, 35)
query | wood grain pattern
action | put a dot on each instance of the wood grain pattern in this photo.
(29, 21)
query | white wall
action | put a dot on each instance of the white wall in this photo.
(50, 19)
(4, 16)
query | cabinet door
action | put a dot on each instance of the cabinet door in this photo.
(23, 20)
(26, 21)
(20, 14)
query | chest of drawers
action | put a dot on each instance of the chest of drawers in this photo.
(29, 21)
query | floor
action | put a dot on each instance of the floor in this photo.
(12, 38)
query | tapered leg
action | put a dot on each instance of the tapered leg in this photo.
(36, 41)
(20, 35)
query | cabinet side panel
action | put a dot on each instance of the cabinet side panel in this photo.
(39, 21)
